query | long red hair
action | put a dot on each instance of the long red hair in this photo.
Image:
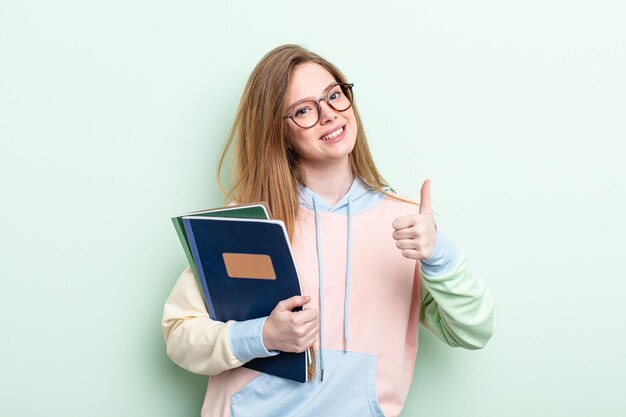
(263, 167)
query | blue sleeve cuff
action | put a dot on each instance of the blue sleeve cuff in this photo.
(444, 258)
(245, 339)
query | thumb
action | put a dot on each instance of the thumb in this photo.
(293, 302)
(425, 206)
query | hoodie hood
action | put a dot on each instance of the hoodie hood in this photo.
(361, 199)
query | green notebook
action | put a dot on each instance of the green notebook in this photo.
(246, 211)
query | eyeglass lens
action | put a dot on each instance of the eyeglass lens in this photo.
(307, 113)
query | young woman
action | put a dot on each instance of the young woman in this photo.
(372, 265)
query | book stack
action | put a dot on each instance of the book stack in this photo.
(244, 265)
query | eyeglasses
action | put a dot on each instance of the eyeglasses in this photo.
(306, 113)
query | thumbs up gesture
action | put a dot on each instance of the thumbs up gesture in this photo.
(416, 234)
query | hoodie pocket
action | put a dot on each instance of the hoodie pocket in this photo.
(348, 389)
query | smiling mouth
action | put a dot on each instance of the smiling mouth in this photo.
(333, 135)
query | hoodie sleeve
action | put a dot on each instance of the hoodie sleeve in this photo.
(456, 305)
(194, 341)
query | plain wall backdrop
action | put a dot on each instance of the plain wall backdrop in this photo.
(112, 117)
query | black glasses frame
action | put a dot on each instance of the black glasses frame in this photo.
(344, 86)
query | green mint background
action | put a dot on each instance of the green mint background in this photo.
(112, 117)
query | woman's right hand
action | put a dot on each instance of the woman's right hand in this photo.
(291, 331)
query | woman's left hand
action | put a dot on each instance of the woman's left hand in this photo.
(416, 234)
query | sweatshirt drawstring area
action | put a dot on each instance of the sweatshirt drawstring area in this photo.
(320, 265)
(347, 297)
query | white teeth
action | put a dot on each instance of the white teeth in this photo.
(333, 135)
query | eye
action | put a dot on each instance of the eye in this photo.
(302, 111)
(335, 94)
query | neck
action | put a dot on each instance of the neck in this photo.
(329, 182)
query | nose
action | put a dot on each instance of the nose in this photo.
(327, 113)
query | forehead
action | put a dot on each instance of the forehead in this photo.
(308, 80)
